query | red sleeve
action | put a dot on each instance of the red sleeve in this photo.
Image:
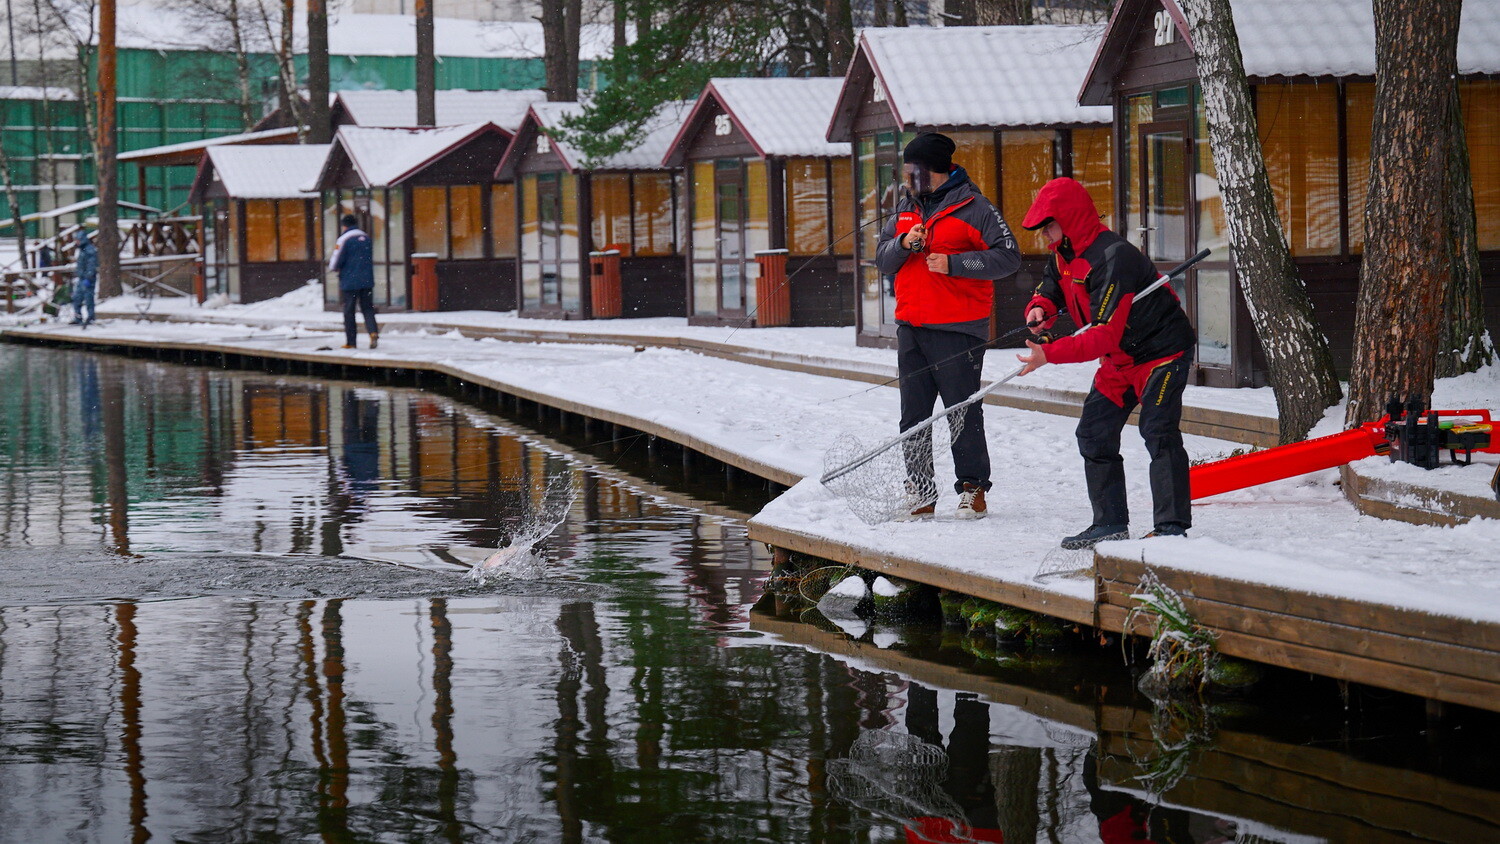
(1094, 342)
(1048, 307)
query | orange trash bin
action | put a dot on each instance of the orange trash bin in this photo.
(604, 284)
(424, 281)
(773, 296)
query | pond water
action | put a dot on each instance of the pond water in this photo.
(236, 606)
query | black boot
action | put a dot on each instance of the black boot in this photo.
(1094, 535)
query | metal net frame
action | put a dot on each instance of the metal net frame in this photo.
(896, 776)
(887, 483)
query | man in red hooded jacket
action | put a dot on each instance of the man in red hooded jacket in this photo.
(1144, 351)
(945, 245)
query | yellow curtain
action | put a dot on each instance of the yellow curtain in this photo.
(503, 220)
(843, 207)
(1299, 133)
(653, 214)
(531, 220)
(466, 207)
(291, 222)
(1359, 115)
(568, 186)
(429, 221)
(976, 154)
(758, 223)
(1026, 162)
(1481, 107)
(611, 223)
(1091, 168)
(806, 206)
(703, 211)
(260, 230)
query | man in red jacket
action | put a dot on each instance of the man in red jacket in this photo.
(1144, 351)
(946, 244)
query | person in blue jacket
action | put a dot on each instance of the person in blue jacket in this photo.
(86, 269)
(354, 259)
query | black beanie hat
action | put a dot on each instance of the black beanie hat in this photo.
(931, 150)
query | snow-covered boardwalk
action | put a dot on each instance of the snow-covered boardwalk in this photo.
(753, 400)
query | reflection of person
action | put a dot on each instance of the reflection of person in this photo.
(361, 443)
(86, 269)
(354, 259)
(945, 245)
(1096, 275)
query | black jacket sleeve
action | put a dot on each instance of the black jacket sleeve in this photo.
(1000, 259)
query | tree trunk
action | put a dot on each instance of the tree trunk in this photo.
(574, 30)
(555, 52)
(643, 19)
(319, 128)
(959, 12)
(898, 13)
(241, 66)
(426, 66)
(1403, 276)
(1297, 356)
(1465, 344)
(286, 67)
(1002, 12)
(619, 11)
(840, 35)
(15, 206)
(44, 80)
(108, 240)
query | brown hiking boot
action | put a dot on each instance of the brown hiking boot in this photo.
(374, 341)
(971, 503)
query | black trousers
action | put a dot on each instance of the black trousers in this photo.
(1099, 442)
(365, 301)
(944, 364)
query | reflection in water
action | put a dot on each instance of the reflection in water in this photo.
(233, 607)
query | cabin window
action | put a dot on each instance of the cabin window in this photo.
(394, 235)
(877, 185)
(1481, 108)
(232, 249)
(843, 207)
(705, 250)
(1026, 160)
(1138, 112)
(611, 206)
(976, 154)
(758, 220)
(1213, 228)
(1091, 167)
(291, 236)
(807, 206)
(568, 243)
(655, 214)
(503, 220)
(429, 221)
(1299, 133)
(260, 230)
(466, 221)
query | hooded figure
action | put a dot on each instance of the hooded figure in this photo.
(1144, 351)
(86, 268)
(946, 244)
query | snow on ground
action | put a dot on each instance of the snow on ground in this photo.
(1299, 531)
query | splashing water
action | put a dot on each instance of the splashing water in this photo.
(523, 558)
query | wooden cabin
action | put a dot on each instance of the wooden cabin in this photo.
(621, 215)
(426, 191)
(1311, 68)
(769, 197)
(262, 218)
(397, 109)
(1007, 95)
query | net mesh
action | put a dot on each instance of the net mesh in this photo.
(888, 482)
(899, 777)
(1063, 563)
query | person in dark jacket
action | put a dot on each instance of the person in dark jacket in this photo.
(945, 244)
(86, 271)
(354, 259)
(1144, 351)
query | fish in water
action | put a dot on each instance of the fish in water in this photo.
(519, 561)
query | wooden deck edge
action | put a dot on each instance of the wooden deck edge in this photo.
(1418, 505)
(720, 453)
(1022, 596)
(1206, 422)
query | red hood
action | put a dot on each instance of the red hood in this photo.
(1069, 203)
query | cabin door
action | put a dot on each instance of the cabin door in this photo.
(549, 210)
(730, 213)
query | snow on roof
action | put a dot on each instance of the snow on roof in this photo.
(145, 25)
(1337, 37)
(985, 75)
(659, 133)
(385, 156)
(783, 116)
(52, 93)
(268, 171)
(204, 143)
(505, 109)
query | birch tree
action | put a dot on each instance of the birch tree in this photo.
(1297, 356)
(1408, 255)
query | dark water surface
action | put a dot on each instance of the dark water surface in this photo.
(239, 607)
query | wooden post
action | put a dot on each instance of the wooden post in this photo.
(426, 66)
(319, 130)
(105, 159)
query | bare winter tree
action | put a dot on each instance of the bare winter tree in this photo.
(840, 25)
(240, 30)
(319, 121)
(1297, 355)
(1402, 280)
(561, 74)
(1466, 344)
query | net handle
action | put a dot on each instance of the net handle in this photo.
(835, 474)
